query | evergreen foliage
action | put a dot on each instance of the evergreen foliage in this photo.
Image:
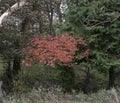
(99, 23)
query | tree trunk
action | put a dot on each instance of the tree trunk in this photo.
(16, 65)
(40, 25)
(11, 73)
(87, 84)
(59, 12)
(51, 20)
(8, 71)
(7, 81)
(111, 78)
(67, 78)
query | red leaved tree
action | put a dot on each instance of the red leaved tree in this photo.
(62, 50)
(50, 50)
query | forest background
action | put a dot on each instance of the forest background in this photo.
(96, 22)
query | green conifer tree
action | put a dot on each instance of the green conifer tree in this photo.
(99, 22)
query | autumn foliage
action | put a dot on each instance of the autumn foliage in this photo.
(49, 50)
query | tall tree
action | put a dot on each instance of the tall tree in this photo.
(19, 20)
(11, 41)
(100, 21)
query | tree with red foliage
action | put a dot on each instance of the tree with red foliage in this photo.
(62, 51)
(50, 50)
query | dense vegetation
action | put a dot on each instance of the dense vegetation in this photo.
(70, 44)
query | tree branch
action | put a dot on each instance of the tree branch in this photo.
(11, 10)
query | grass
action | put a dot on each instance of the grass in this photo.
(38, 74)
(47, 96)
